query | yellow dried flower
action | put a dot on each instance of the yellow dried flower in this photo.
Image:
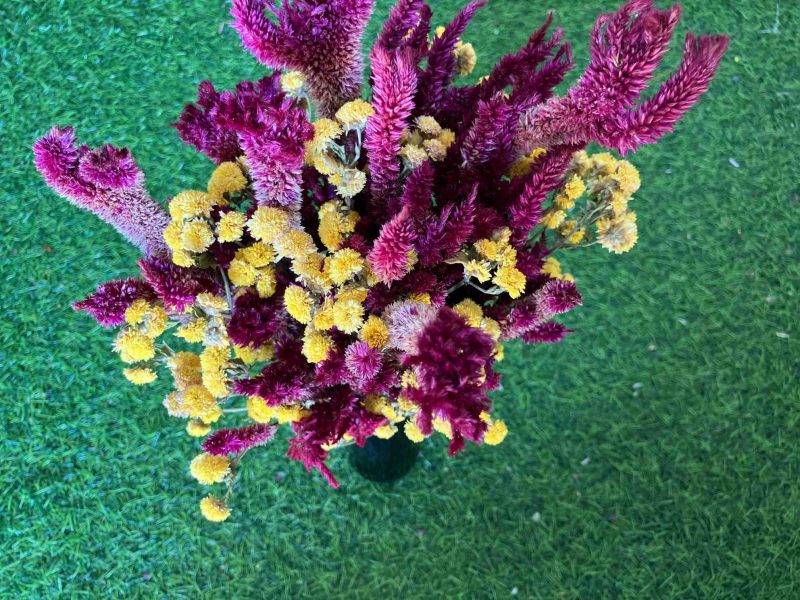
(172, 235)
(267, 223)
(478, 269)
(197, 236)
(553, 219)
(627, 177)
(444, 427)
(292, 82)
(413, 432)
(569, 231)
(466, 58)
(348, 315)
(140, 375)
(510, 279)
(258, 255)
(193, 331)
(471, 311)
(209, 468)
(486, 248)
(348, 182)
(196, 428)
(384, 432)
(227, 178)
(316, 345)
(242, 273)
(325, 131)
(323, 317)
(258, 410)
(436, 150)
(331, 227)
(213, 415)
(189, 204)
(231, 226)
(344, 265)
(182, 258)
(491, 327)
(290, 414)
(324, 163)
(354, 114)
(267, 282)
(551, 267)
(249, 355)
(447, 137)
(423, 297)
(214, 509)
(211, 303)
(413, 155)
(618, 235)
(375, 332)
(197, 401)
(213, 361)
(574, 187)
(185, 368)
(299, 303)
(136, 311)
(562, 201)
(428, 125)
(134, 346)
(496, 433)
(295, 243)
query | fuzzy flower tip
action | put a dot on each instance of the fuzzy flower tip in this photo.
(209, 469)
(214, 509)
(235, 441)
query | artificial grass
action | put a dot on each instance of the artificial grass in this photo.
(654, 454)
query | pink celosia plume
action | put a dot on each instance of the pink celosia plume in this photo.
(105, 181)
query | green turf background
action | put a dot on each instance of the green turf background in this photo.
(654, 454)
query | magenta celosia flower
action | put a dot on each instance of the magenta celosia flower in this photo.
(288, 378)
(256, 321)
(106, 182)
(546, 333)
(556, 297)
(392, 252)
(394, 82)
(626, 47)
(322, 40)
(198, 126)
(449, 388)
(235, 441)
(109, 302)
(177, 286)
(363, 361)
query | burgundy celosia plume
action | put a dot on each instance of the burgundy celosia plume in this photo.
(177, 286)
(105, 181)
(236, 441)
(199, 126)
(256, 321)
(322, 40)
(109, 302)
(626, 47)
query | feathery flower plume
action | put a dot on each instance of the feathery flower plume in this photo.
(235, 441)
(109, 302)
(105, 181)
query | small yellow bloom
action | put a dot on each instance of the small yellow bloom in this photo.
(197, 236)
(447, 137)
(331, 226)
(354, 114)
(413, 432)
(436, 150)
(136, 311)
(384, 432)
(562, 201)
(214, 509)
(295, 243)
(574, 187)
(209, 469)
(496, 433)
(172, 235)
(487, 248)
(258, 410)
(510, 279)
(325, 131)
(140, 375)
(249, 355)
(413, 155)
(491, 327)
(423, 297)
(292, 82)
(478, 269)
(290, 414)
(348, 182)
(242, 273)
(182, 258)
(267, 223)
(134, 346)
(627, 177)
(197, 401)
(211, 303)
(551, 267)
(466, 58)
(267, 282)
(316, 345)
(231, 226)
(428, 125)
(193, 331)
(375, 332)
(471, 311)
(185, 368)
(258, 255)
(299, 303)
(553, 219)
(618, 235)
(189, 204)
(348, 315)
(196, 428)
(344, 265)
(444, 427)
(227, 178)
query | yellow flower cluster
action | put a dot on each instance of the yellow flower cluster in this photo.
(473, 315)
(427, 140)
(496, 259)
(135, 343)
(523, 166)
(609, 185)
(214, 509)
(466, 58)
(336, 222)
(252, 266)
(261, 412)
(209, 469)
(334, 159)
(191, 231)
(552, 268)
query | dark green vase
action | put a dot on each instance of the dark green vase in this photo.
(385, 460)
